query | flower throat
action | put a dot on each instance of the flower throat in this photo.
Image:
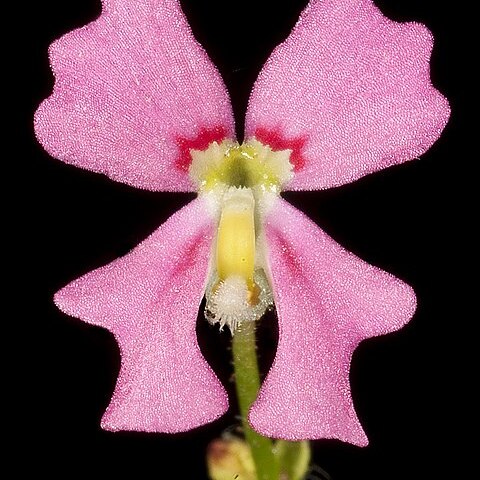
(241, 178)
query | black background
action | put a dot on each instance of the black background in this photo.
(403, 219)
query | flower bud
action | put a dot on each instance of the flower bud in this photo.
(229, 459)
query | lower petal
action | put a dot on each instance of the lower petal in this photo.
(149, 299)
(327, 301)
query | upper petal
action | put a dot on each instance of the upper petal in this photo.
(327, 301)
(349, 92)
(133, 92)
(149, 300)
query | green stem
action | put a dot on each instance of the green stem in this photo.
(247, 381)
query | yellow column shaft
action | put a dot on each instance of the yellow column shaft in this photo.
(236, 236)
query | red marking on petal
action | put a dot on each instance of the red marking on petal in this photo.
(290, 256)
(191, 252)
(276, 141)
(201, 142)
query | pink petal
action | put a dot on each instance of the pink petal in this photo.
(349, 92)
(149, 300)
(133, 92)
(327, 301)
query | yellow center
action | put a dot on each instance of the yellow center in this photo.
(239, 177)
(250, 165)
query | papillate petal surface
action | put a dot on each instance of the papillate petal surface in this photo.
(149, 300)
(133, 93)
(349, 92)
(328, 301)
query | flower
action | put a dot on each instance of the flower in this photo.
(137, 99)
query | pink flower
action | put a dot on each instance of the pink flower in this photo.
(137, 99)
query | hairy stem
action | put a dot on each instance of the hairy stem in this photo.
(247, 382)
